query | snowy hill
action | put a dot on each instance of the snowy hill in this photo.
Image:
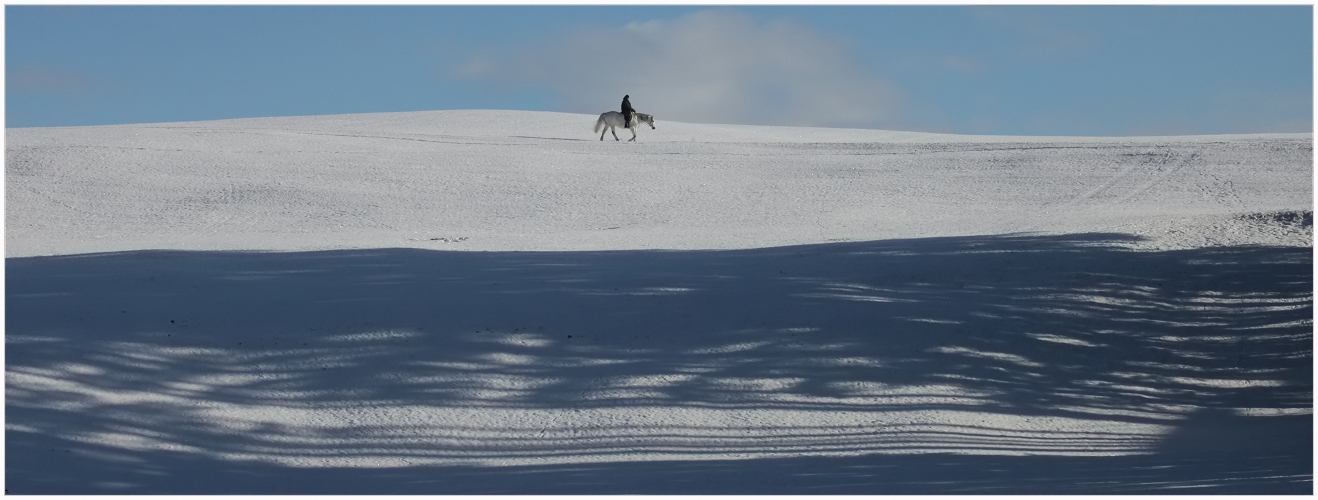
(499, 302)
(500, 180)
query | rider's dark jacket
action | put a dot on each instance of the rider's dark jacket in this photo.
(627, 110)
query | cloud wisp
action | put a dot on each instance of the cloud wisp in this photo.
(713, 66)
(49, 81)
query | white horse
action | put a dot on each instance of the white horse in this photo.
(613, 120)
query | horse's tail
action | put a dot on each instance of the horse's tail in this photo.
(599, 123)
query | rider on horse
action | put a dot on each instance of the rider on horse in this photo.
(627, 111)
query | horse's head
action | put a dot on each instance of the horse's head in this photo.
(648, 119)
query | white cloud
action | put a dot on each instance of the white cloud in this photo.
(714, 66)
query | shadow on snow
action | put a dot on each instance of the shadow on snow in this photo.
(158, 371)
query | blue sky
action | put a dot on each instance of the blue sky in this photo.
(1022, 70)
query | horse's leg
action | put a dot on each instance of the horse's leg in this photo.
(633, 139)
(605, 131)
(614, 130)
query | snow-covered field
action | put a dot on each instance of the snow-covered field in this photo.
(499, 302)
